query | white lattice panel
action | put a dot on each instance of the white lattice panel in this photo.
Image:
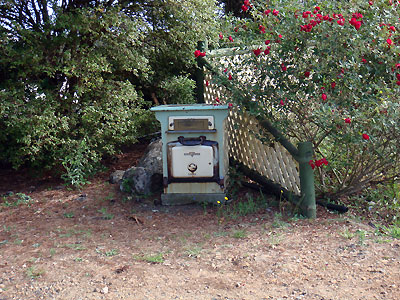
(273, 161)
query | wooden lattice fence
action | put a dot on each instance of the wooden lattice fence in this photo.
(284, 167)
(271, 160)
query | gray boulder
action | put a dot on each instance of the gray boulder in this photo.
(116, 176)
(146, 177)
(152, 159)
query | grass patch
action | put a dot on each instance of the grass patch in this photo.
(221, 234)
(193, 251)
(16, 200)
(347, 234)
(239, 234)
(78, 247)
(393, 231)
(71, 232)
(33, 272)
(106, 214)
(150, 258)
(69, 215)
(111, 252)
(279, 222)
(275, 239)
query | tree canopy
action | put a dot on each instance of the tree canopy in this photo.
(77, 77)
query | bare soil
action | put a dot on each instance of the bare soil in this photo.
(97, 244)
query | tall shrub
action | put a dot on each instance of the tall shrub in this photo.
(77, 77)
(328, 73)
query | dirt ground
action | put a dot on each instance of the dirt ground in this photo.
(97, 244)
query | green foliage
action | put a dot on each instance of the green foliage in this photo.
(393, 231)
(76, 80)
(151, 258)
(334, 85)
(239, 234)
(111, 252)
(106, 214)
(382, 202)
(17, 200)
(69, 215)
(34, 272)
(242, 208)
(178, 90)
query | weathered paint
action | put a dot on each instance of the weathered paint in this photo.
(219, 114)
(193, 187)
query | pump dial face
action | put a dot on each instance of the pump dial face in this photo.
(192, 167)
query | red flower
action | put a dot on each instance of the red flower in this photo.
(347, 120)
(217, 99)
(398, 76)
(281, 103)
(246, 2)
(257, 52)
(262, 29)
(244, 8)
(398, 82)
(389, 41)
(267, 12)
(333, 84)
(198, 53)
(365, 136)
(280, 36)
(266, 51)
(283, 67)
(267, 42)
(275, 12)
(324, 161)
(307, 73)
(230, 38)
(207, 83)
(317, 8)
(370, 2)
(225, 70)
(311, 163)
(230, 76)
(324, 96)
(392, 28)
(221, 36)
(230, 104)
(318, 163)
(364, 61)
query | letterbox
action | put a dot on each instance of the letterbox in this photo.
(195, 152)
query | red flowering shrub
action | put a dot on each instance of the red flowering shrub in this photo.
(332, 61)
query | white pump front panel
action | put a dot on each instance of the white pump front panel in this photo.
(192, 161)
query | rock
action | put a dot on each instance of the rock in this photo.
(136, 180)
(81, 197)
(146, 177)
(104, 290)
(152, 159)
(116, 176)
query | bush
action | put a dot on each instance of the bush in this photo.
(67, 107)
(77, 80)
(328, 74)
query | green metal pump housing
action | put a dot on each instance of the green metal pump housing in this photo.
(194, 152)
